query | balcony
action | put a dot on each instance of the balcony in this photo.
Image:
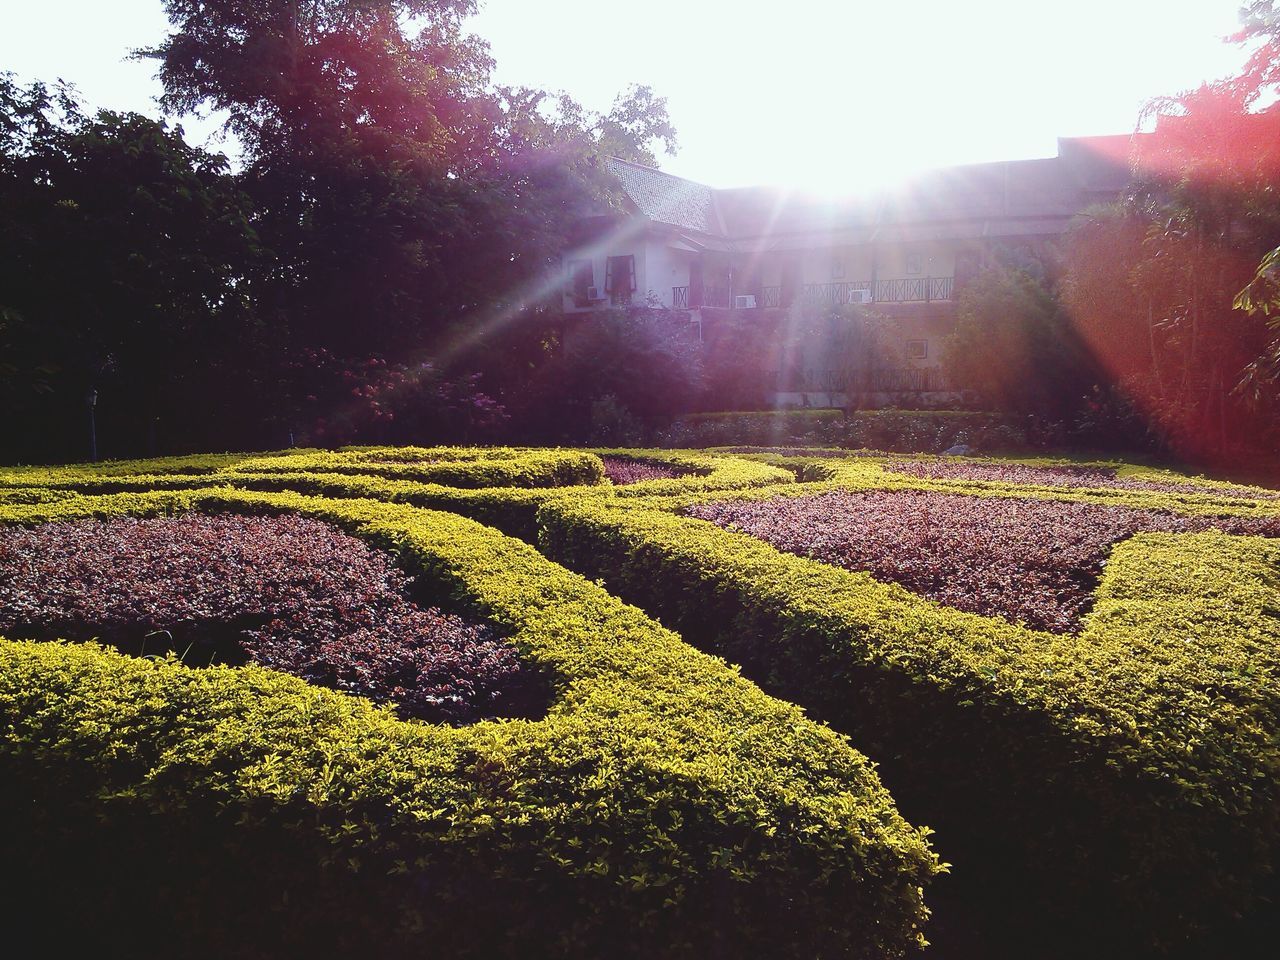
(718, 297)
(834, 294)
(900, 290)
(915, 290)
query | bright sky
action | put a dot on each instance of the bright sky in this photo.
(817, 94)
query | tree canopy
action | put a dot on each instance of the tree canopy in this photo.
(389, 200)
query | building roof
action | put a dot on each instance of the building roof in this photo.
(976, 199)
(665, 198)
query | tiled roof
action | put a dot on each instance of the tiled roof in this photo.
(668, 199)
(991, 193)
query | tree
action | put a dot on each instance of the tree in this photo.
(646, 362)
(405, 197)
(127, 259)
(1015, 347)
(1260, 25)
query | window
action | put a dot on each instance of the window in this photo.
(582, 277)
(917, 349)
(620, 278)
(837, 268)
(913, 263)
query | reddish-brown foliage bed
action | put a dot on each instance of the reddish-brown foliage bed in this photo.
(1030, 561)
(622, 471)
(290, 593)
(1064, 476)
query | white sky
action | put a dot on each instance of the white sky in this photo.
(819, 95)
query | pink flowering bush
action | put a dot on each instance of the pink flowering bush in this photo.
(289, 593)
(1030, 561)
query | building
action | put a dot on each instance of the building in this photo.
(764, 253)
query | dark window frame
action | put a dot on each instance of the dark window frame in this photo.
(620, 293)
(575, 287)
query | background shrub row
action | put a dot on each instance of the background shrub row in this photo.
(909, 431)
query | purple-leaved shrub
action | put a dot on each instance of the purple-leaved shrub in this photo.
(1030, 561)
(622, 471)
(290, 593)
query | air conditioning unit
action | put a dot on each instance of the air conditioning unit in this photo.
(860, 296)
(745, 302)
(595, 293)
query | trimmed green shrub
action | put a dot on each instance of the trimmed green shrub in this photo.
(665, 806)
(1120, 788)
(499, 468)
(762, 427)
(511, 509)
(449, 466)
(902, 430)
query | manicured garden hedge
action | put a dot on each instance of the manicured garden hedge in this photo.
(1106, 793)
(749, 426)
(497, 468)
(910, 431)
(511, 509)
(664, 808)
(447, 466)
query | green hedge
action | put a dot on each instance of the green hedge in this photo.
(664, 808)
(449, 466)
(474, 468)
(869, 472)
(1097, 801)
(803, 416)
(511, 509)
(902, 430)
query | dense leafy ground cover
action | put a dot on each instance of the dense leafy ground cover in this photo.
(290, 593)
(1034, 562)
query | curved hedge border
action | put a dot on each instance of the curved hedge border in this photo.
(1133, 800)
(454, 467)
(511, 509)
(665, 806)
(867, 472)
(496, 468)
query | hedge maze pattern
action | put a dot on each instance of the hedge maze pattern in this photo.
(1113, 780)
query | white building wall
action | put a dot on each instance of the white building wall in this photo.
(665, 268)
(659, 268)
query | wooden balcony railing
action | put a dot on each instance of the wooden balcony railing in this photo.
(900, 290)
(834, 294)
(682, 298)
(905, 380)
(915, 289)
(717, 297)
